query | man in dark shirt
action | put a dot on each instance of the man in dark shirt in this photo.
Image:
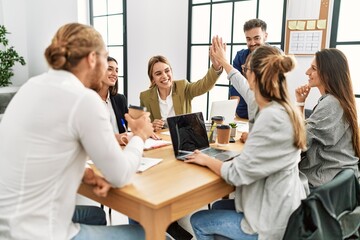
(256, 35)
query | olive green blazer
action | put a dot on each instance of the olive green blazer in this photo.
(183, 92)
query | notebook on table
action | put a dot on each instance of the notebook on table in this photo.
(225, 108)
(188, 133)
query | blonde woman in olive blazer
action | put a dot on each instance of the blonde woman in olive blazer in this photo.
(182, 91)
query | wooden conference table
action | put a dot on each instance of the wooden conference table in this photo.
(166, 192)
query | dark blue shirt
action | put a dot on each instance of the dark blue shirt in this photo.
(240, 59)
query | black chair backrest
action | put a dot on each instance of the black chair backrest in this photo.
(317, 216)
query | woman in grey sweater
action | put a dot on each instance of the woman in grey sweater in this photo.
(332, 128)
(266, 174)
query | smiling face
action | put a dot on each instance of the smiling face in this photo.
(314, 78)
(161, 75)
(111, 74)
(255, 37)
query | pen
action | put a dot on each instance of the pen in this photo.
(211, 132)
(123, 123)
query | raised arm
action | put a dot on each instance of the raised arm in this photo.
(92, 126)
(218, 53)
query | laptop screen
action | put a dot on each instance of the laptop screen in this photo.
(225, 108)
(188, 132)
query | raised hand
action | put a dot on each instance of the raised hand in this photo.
(158, 124)
(218, 50)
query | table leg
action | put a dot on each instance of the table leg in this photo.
(155, 222)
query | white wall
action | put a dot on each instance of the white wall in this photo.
(158, 27)
(32, 28)
(1, 13)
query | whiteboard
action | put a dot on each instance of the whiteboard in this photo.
(303, 9)
(305, 42)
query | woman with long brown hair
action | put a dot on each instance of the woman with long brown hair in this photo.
(332, 128)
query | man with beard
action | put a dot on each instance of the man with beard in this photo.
(256, 35)
(50, 128)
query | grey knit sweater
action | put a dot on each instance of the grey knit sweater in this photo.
(329, 143)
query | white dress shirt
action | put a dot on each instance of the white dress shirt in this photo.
(110, 109)
(48, 130)
(166, 106)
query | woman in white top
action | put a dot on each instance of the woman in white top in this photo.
(266, 174)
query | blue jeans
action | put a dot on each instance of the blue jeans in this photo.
(92, 220)
(90, 215)
(180, 234)
(221, 222)
(123, 232)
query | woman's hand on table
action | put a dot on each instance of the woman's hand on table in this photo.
(244, 136)
(158, 124)
(155, 137)
(198, 158)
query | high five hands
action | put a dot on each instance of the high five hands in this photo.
(218, 50)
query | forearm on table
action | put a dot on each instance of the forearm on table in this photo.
(214, 165)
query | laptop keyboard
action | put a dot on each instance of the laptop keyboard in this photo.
(212, 151)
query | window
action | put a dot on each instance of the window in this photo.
(109, 18)
(226, 19)
(346, 38)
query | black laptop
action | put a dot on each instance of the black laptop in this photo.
(188, 133)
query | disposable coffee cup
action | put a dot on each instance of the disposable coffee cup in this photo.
(218, 119)
(136, 111)
(223, 135)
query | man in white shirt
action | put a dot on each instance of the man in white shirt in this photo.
(50, 128)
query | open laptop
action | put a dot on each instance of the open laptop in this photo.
(225, 108)
(188, 133)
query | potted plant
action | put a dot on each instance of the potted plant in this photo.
(8, 58)
(233, 129)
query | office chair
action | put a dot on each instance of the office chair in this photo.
(331, 211)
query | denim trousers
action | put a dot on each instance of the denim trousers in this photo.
(90, 215)
(92, 221)
(123, 232)
(221, 222)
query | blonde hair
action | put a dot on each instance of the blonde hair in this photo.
(70, 44)
(270, 66)
(152, 61)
